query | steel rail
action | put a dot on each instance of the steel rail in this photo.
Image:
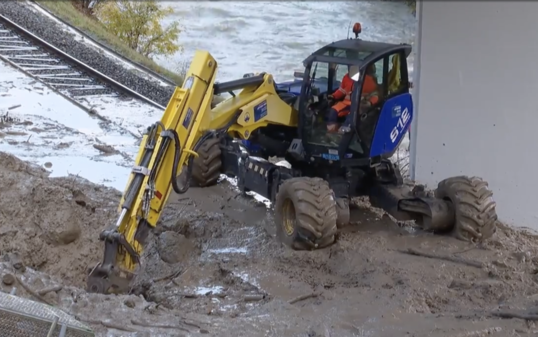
(135, 64)
(79, 63)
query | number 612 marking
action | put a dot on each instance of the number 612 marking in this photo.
(400, 126)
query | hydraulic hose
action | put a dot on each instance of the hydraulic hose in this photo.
(177, 154)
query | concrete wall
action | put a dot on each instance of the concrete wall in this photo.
(476, 100)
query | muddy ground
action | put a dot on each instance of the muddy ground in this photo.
(231, 278)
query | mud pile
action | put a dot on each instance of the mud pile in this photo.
(52, 224)
(212, 267)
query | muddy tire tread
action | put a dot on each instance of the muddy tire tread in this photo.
(206, 168)
(315, 211)
(474, 206)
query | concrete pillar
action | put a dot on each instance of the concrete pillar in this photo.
(476, 100)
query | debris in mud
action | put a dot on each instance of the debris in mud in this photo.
(106, 149)
(7, 119)
(16, 133)
(455, 259)
(303, 297)
(254, 297)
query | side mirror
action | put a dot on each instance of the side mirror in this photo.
(298, 74)
(356, 76)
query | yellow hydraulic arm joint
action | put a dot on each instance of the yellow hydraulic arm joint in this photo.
(167, 148)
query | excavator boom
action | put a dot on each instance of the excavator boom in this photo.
(168, 147)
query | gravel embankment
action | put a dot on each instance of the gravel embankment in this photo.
(48, 30)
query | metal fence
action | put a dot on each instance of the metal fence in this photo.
(20, 317)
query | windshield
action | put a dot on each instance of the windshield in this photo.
(318, 108)
(347, 54)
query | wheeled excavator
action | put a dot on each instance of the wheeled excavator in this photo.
(194, 143)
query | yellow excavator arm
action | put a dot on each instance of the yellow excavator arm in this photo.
(168, 147)
(166, 156)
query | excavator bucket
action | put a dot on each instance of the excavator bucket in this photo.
(20, 317)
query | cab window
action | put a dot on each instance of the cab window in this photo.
(321, 69)
(341, 71)
(349, 54)
(377, 72)
(321, 81)
(395, 83)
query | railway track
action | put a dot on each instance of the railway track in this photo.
(64, 74)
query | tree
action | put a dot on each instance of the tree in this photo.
(138, 23)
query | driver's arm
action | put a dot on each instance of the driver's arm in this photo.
(339, 93)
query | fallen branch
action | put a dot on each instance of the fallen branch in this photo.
(254, 297)
(472, 247)
(157, 325)
(465, 284)
(45, 291)
(190, 323)
(33, 292)
(106, 324)
(513, 314)
(106, 149)
(303, 297)
(167, 277)
(454, 259)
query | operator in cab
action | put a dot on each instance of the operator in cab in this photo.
(343, 97)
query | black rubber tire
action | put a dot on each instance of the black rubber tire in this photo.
(312, 217)
(476, 217)
(206, 167)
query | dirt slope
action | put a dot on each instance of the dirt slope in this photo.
(214, 268)
(52, 223)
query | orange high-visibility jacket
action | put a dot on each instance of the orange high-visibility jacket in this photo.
(369, 90)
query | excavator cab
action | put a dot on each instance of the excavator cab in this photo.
(372, 128)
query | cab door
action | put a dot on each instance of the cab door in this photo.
(396, 109)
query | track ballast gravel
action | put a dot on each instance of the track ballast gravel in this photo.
(50, 31)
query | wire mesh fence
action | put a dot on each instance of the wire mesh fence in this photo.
(20, 317)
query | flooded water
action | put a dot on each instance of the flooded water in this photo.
(276, 36)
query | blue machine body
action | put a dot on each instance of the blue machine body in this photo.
(394, 122)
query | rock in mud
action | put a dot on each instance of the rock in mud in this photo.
(64, 235)
(80, 198)
(129, 303)
(173, 247)
(8, 279)
(181, 226)
(16, 261)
